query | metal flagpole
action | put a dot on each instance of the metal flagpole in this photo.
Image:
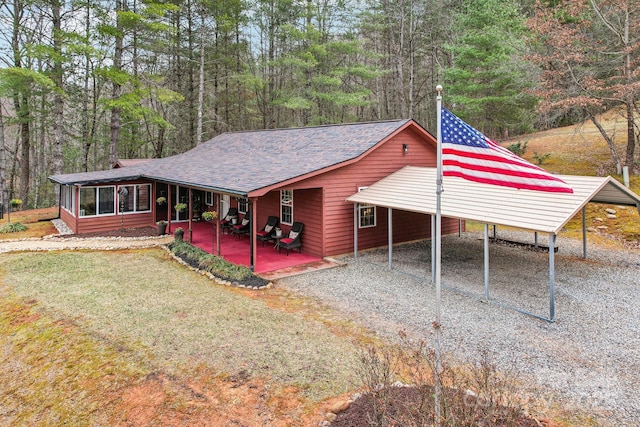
(437, 322)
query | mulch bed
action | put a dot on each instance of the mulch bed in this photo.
(401, 407)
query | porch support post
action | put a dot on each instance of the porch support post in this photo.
(552, 278)
(218, 205)
(486, 261)
(169, 204)
(390, 235)
(355, 231)
(433, 248)
(584, 232)
(190, 215)
(252, 237)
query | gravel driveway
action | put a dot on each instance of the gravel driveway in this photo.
(589, 359)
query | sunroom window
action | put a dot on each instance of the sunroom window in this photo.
(97, 201)
(134, 198)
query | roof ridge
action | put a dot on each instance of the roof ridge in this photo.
(317, 126)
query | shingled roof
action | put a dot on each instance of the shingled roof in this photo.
(242, 162)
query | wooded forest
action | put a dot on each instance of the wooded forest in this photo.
(84, 83)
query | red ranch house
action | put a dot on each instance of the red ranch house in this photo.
(299, 175)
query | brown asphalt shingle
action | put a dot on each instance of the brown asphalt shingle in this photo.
(242, 162)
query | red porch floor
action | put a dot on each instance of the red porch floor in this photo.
(237, 250)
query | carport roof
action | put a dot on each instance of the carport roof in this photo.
(414, 189)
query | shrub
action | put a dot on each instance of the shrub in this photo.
(476, 394)
(518, 148)
(541, 158)
(215, 265)
(14, 227)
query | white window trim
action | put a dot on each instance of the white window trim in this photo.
(289, 204)
(98, 187)
(69, 197)
(209, 200)
(361, 207)
(135, 199)
(241, 201)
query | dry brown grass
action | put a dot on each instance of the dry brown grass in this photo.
(581, 150)
(34, 220)
(187, 348)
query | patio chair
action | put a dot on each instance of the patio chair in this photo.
(244, 227)
(227, 221)
(268, 230)
(293, 240)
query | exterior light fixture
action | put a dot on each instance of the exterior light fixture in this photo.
(405, 148)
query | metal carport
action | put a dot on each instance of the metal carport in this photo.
(414, 189)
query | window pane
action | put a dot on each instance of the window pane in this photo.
(286, 207)
(125, 198)
(242, 205)
(287, 215)
(367, 216)
(106, 199)
(87, 201)
(143, 197)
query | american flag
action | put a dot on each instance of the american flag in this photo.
(468, 154)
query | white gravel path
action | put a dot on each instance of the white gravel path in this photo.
(56, 243)
(589, 359)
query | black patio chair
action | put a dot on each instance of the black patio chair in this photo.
(268, 230)
(227, 221)
(294, 240)
(244, 227)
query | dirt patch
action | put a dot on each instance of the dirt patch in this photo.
(208, 400)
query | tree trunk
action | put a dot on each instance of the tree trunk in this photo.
(200, 83)
(4, 193)
(58, 101)
(86, 142)
(117, 89)
(629, 101)
(21, 105)
(610, 142)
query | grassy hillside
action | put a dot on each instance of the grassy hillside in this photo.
(581, 150)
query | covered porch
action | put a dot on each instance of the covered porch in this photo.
(238, 250)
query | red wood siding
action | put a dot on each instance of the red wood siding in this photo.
(336, 226)
(114, 222)
(92, 224)
(307, 208)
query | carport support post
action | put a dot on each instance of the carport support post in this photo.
(486, 262)
(584, 232)
(390, 235)
(552, 278)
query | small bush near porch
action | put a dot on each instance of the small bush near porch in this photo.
(215, 265)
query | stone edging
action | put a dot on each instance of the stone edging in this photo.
(212, 276)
